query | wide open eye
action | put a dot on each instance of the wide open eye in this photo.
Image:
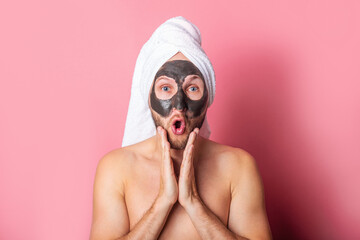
(194, 92)
(165, 88)
(193, 89)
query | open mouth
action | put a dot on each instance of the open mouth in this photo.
(178, 126)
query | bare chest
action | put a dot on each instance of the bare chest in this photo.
(143, 187)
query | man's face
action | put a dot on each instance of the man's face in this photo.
(178, 100)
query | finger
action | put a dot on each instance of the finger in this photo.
(162, 142)
(167, 150)
(190, 166)
(159, 130)
(191, 140)
(165, 144)
(197, 131)
(189, 156)
(187, 161)
(169, 168)
(163, 137)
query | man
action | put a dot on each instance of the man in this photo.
(177, 184)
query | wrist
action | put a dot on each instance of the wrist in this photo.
(192, 205)
(163, 203)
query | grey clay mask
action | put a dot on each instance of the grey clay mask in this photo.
(179, 70)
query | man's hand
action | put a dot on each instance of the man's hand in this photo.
(187, 185)
(168, 185)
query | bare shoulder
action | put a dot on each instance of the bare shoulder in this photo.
(230, 157)
(238, 164)
(123, 157)
(247, 216)
(116, 158)
(114, 166)
(109, 209)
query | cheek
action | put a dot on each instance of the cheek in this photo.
(197, 108)
(158, 119)
(196, 121)
(162, 107)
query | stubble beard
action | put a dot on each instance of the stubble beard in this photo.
(178, 143)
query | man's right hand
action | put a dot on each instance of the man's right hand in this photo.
(109, 195)
(168, 186)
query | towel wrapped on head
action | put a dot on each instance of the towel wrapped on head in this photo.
(175, 35)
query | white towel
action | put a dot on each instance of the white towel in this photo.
(175, 35)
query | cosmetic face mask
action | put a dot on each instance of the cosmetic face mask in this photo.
(179, 70)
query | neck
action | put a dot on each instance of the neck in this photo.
(176, 155)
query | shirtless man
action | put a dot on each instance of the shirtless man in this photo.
(177, 184)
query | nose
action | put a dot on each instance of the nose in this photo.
(179, 102)
(175, 110)
(180, 107)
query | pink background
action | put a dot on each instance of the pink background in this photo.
(287, 92)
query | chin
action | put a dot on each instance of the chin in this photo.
(178, 142)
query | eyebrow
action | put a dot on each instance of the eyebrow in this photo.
(193, 77)
(164, 78)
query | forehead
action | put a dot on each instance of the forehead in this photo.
(178, 69)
